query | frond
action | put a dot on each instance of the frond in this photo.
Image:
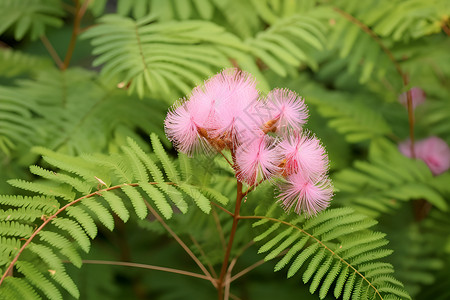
(388, 177)
(16, 123)
(153, 57)
(81, 117)
(83, 193)
(13, 63)
(30, 16)
(337, 247)
(290, 42)
(169, 166)
(356, 120)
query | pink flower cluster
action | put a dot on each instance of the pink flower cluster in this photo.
(433, 151)
(264, 134)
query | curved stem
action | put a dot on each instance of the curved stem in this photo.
(391, 57)
(205, 257)
(79, 13)
(52, 51)
(49, 219)
(144, 266)
(181, 243)
(221, 280)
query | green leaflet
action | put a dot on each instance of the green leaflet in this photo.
(335, 247)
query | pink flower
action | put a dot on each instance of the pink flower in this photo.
(304, 153)
(236, 97)
(306, 195)
(433, 151)
(257, 160)
(187, 124)
(417, 97)
(287, 111)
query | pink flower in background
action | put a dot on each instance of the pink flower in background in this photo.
(304, 194)
(417, 96)
(433, 151)
(304, 153)
(257, 160)
(287, 111)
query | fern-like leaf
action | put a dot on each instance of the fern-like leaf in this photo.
(335, 247)
(153, 57)
(30, 16)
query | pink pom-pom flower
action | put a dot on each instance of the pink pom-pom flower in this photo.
(417, 97)
(306, 195)
(303, 153)
(188, 123)
(433, 151)
(287, 112)
(237, 100)
(257, 160)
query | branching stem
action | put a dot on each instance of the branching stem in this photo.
(80, 10)
(223, 271)
(391, 57)
(144, 266)
(8, 271)
(52, 51)
(181, 243)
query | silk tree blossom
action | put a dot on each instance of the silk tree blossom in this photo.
(287, 111)
(257, 160)
(265, 137)
(417, 97)
(303, 153)
(304, 194)
(236, 98)
(433, 151)
(187, 124)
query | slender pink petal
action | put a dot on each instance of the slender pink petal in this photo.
(237, 102)
(185, 123)
(433, 151)
(287, 111)
(257, 160)
(304, 153)
(306, 195)
(417, 97)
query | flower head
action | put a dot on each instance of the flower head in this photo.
(433, 151)
(306, 195)
(287, 111)
(417, 97)
(304, 153)
(188, 122)
(236, 99)
(257, 159)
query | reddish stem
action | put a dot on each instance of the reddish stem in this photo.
(221, 281)
(79, 13)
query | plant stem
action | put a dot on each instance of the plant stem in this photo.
(144, 266)
(397, 66)
(221, 281)
(52, 51)
(79, 13)
(181, 243)
(8, 271)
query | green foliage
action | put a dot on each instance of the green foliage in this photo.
(83, 150)
(335, 248)
(83, 191)
(388, 177)
(153, 57)
(31, 16)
